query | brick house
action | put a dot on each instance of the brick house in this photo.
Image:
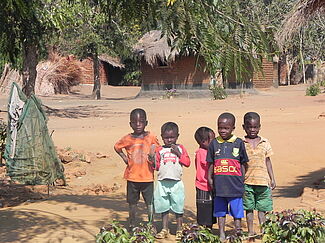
(110, 70)
(266, 78)
(163, 68)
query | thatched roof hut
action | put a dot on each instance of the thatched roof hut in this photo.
(154, 48)
(302, 12)
(114, 61)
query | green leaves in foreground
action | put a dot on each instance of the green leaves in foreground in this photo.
(116, 233)
(300, 226)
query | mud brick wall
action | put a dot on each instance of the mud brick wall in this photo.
(266, 79)
(185, 73)
(87, 72)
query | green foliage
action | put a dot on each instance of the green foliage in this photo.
(219, 31)
(170, 93)
(116, 233)
(291, 226)
(322, 83)
(195, 233)
(313, 90)
(132, 78)
(218, 92)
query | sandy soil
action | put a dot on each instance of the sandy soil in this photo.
(293, 122)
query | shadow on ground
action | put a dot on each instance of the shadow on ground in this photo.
(313, 179)
(30, 223)
(81, 112)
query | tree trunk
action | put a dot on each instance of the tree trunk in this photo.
(30, 57)
(283, 74)
(96, 89)
(302, 56)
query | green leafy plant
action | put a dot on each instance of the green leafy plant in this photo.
(116, 233)
(170, 93)
(218, 92)
(143, 234)
(322, 83)
(300, 226)
(132, 78)
(313, 90)
(195, 233)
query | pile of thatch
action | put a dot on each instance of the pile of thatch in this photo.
(9, 76)
(302, 12)
(154, 48)
(56, 75)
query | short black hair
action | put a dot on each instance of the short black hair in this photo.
(139, 111)
(228, 116)
(169, 126)
(251, 116)
(202, 134)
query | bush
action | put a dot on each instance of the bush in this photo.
(132, 78)
(195, 233)
(170, 93)
(116, 233)
(294, 226)
(313, 90)
(218, 92)
(322, 83)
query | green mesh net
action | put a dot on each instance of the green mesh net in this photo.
(30, 153)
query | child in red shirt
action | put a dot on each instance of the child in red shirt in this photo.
(204, 198)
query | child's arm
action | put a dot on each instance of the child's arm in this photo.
(270, 172)
(244, 168)
(210, 175)
(184, 159)
(152, 155)
(121, 154)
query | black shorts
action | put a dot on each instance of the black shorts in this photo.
(133, 190)
(204, 208)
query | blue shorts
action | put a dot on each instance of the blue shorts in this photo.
(236, 209)
(169, 195)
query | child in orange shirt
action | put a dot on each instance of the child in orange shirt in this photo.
(139, 172)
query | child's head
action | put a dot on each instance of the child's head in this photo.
(204, 136)
(226, 124)
(169, 133)
(138, 121)
(252, 124)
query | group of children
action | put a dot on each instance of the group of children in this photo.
(232, 174)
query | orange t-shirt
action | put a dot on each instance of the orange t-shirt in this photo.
(137, 149)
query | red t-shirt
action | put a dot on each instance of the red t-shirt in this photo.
(201, 165)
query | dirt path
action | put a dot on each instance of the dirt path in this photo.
(289, 119)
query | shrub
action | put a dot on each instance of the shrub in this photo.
(218, 92)
(116, 233)
(170, 93)
(322, 83)
(294, 226)
(313, 90)
(132, 78)
(195, 233)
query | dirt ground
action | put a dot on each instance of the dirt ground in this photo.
(95, 195)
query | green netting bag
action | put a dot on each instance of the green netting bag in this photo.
(30, 153)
